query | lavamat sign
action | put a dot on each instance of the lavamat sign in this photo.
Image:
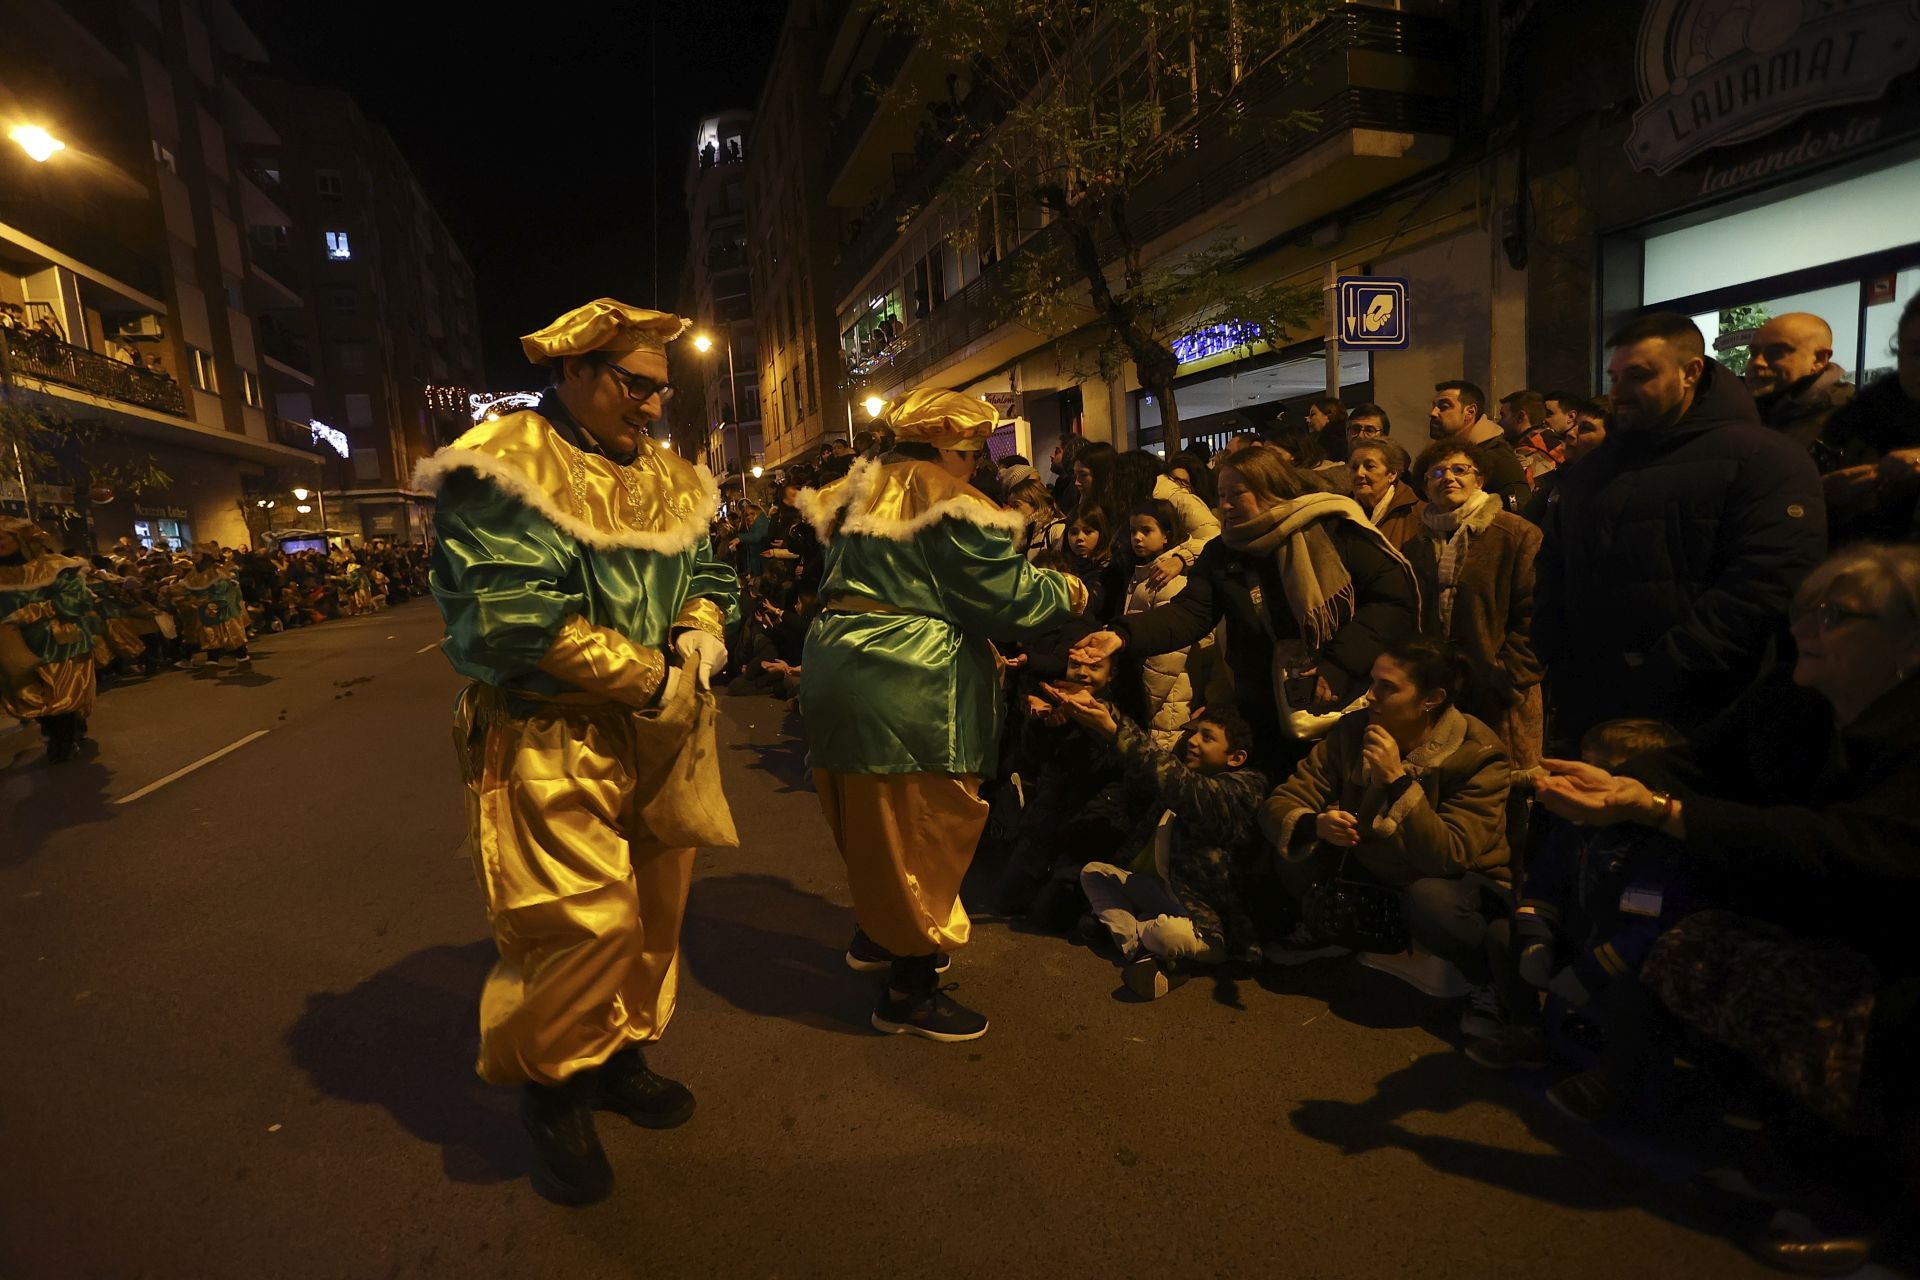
(1716, 72)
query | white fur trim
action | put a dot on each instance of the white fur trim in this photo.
(429, 475)
(1388, 820)
(820, 507)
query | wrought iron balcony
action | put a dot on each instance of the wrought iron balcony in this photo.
(42, 356)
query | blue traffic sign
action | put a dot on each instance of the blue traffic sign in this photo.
(1372, 312)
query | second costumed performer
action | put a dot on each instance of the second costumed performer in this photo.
(573, 563)
(900, 690)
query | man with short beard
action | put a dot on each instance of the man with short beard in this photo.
(575, 569)
(1672, 549)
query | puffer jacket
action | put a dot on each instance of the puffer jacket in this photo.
(1169, 688)
(1668, 560)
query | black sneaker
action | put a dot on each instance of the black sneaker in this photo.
(864, 955)
(930, 1013)
(1511, 1048)
(569, 1166)
(1150, 977)
(629, 1086)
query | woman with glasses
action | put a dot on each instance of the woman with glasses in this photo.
(1815, 982)
(1474, 560)
(1381, 486)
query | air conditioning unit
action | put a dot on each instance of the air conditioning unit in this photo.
(145, 325)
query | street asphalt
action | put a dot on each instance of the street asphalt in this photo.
(237, 1034)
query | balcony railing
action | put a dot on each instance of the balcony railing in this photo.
(846, 131)
(277, 343)
(42, 356)
(1312, 74)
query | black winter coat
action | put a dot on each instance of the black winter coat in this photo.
(1669, 560)
(1386, 611)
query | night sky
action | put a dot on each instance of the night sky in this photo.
(533, 132)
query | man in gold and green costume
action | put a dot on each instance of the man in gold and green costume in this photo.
(900, 689)
(573, 566)
(216, 610)
(48, 628)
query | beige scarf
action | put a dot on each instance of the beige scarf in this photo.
(1319, 589)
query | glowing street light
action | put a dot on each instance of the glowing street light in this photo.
(874, 406)
(303, 509)
(759, 471)
(702, 343)
(36, 142)
(300, 494)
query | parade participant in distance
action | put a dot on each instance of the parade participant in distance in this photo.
(573, 561)
(901, 695)
(47, 631)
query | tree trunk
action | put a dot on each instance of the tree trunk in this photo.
(1153, 360)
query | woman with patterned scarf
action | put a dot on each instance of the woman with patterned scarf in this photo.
(1475, 565)
(1310, 593)
(47, 630)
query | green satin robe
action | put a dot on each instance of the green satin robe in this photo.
(68, 611)
(506, 578)
(918, 691)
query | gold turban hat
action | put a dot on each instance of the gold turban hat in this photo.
(943, 419)
(34, 541)
(604, 325)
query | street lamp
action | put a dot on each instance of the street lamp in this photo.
(703, 344)
(36, 142)
(874, 406)
(758, 471)
(300, 493)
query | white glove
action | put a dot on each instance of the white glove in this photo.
(700, 652)
(669, 686)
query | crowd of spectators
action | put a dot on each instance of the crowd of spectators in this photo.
(198, 608)
(1600, 718)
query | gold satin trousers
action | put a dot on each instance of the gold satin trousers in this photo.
(53, 689)
(586, 908)
(907, 840)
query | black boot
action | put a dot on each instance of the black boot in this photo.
(569, 1165)
(914, 1003)
(629, 1086)
(63, 737)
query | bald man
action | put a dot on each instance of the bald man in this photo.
(1794, 381)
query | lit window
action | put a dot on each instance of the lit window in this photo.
(337, 247)
(205, 376)
(250, 388)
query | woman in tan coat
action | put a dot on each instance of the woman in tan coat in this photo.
(1474, 561)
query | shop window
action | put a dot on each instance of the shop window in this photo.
(1841, 220)
(164, 535)
(1879, 331)
(339, 248)
(206, 376)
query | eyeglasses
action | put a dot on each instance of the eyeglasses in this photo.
(1365, 430)
(638, 386)
(1828, 614)
(1458, 471)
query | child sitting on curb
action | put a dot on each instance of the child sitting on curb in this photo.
(1178, 905)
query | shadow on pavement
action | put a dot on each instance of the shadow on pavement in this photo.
(796, 972)
(1583, 1171)
(405, 1039)
(785, 761)
(39, 799)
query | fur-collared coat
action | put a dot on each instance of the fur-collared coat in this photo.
(1492, 624)
(1445, 817)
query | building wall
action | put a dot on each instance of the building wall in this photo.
(717, 293)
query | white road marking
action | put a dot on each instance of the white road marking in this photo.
(423, 648)
(178, 774)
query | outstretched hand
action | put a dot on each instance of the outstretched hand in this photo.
(1092, 648)
(1589, 795)
(1085, 710)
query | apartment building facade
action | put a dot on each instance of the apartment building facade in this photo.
(127, 299)
(716, 416)
(373, 336)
